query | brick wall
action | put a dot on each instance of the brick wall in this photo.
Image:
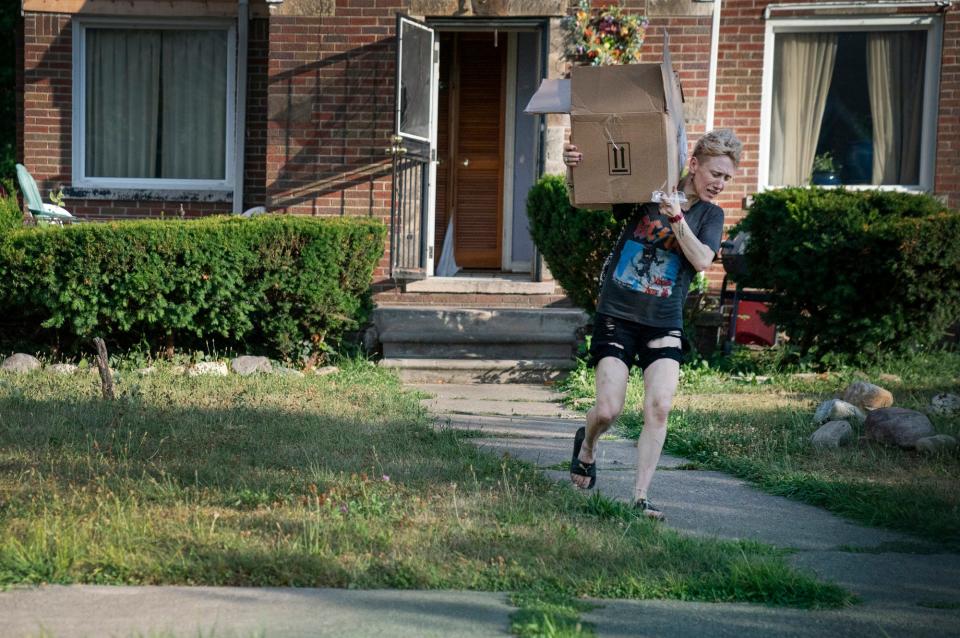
(948, 125)
(330, 101)
(46, 98)
(255, 160)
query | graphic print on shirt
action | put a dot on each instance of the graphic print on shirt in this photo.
(647, 265)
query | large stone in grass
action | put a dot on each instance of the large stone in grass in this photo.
(837, 410)
(208, 368)
(249, 365)
(20, 363)
(326, 370)
(945, 404)
(867, 396)
(936, 444)
(898, 426)
(832, 434)
(63, 368)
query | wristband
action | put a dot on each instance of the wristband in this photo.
(674, 220)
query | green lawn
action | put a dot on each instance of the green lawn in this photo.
(328, 482)
(758, 429)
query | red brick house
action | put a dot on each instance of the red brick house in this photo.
(214, 106)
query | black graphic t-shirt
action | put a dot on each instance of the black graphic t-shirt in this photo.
(646, 278)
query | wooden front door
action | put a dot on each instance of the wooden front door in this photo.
(470, 146)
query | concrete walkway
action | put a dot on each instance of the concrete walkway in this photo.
(529, 423)
(896, 588)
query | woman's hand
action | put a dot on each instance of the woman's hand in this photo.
(571, 155)
(670, 206)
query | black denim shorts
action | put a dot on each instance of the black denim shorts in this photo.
(627, 341)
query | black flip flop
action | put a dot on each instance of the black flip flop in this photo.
(577, 466)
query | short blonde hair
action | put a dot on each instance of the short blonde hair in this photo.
(721, 141)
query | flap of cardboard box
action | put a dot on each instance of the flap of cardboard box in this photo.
(553, 96)
(622, 89)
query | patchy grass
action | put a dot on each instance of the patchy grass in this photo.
(757, 427)
(324, 482)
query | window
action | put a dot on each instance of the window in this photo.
(154, 105)
(850, 101)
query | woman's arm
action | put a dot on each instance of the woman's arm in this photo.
(697, 253)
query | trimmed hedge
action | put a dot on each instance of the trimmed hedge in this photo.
(288, 283)
(10, 214)
(854, 273)
(574, 242)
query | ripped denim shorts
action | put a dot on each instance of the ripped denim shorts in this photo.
(629, 341)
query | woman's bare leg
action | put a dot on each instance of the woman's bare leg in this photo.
(612, 375)
(660, 381)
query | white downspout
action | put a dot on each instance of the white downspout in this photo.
(240, 129)
(712, 81)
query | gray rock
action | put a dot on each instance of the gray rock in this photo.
(178, 370)
(287, 372)
(20, 363)
(325, 370)
(945, 404)
(936, 444)
(146, 372)
(867, 396)
(832, 434)
(63, 368)
(209, 368)
(898, 426)
(837, 410)
(249, 365)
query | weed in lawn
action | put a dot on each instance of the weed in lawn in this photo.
(280, 481)
(549, 615)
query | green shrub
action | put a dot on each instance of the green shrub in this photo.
(10, 214)
(854, 273)
(287, 283)
(574, 242)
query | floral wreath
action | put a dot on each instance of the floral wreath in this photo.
(608, 37)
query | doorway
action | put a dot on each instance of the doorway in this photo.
(470, 147)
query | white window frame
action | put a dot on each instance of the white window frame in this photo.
(80, 178)
(932, 24)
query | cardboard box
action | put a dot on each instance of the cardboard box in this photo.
(627, 120)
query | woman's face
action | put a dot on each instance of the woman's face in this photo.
(710, 175)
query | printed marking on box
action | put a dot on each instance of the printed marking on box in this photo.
(618, 158)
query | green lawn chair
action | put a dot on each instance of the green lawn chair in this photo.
(43, 213)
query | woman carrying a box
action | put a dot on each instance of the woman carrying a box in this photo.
(639, 320)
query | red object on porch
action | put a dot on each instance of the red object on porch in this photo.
(751, 329)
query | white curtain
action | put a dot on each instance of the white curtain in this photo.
(194, 96)
(156, 103)
(123, 98)
(803, 68)
(895, 65)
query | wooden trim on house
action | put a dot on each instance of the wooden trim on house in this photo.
(152, 8)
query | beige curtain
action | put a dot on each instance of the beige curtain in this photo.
(895, 65)
(803, 66)
(122, 100)
(194, 123)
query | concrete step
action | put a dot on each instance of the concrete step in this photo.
(472, 299)
(420, 370)
(449, 344)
